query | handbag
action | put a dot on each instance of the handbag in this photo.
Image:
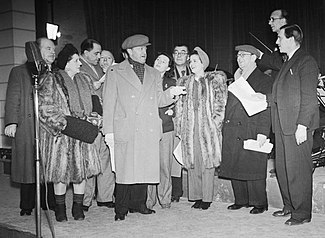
(80, 129)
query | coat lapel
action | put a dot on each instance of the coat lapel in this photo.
(85, 68)
(129, 75)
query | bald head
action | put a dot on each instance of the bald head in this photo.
(47, 49)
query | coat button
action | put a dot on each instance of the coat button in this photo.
(239, 123)
(238, 138)
(227, 121)
(29, 115)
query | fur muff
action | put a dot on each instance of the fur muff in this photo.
(65, 159)
(212, 97)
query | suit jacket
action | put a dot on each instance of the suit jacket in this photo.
(89, 73)
(131, 113)
(294, 94)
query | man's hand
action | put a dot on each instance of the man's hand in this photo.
(261, 139)
(10, 130)
(259, 96)
(97, 84)
(301, 134)
(177, 90)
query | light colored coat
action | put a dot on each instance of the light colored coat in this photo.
(131, 113)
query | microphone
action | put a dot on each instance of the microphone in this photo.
(35, 62)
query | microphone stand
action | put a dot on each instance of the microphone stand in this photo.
(37, 160)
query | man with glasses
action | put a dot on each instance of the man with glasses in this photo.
(246, 168)
(181, 68)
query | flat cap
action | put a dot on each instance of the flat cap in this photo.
(203, 56)
(248, 48)
(64, 55)
(134, 41)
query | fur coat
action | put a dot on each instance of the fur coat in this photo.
(66, 159)
(212, 95)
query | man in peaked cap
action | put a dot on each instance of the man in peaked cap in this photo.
(131, 125)
(245, 168)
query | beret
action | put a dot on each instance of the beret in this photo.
(203, 56)
(63, 56)
(248, 48)
(134, 41)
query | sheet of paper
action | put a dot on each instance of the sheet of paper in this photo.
(178, 153)
(245, 94)
(253, 145)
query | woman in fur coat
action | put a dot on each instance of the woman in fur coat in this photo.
(198, 120)
(66, 160)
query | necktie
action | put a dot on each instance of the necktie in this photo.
(183, 73)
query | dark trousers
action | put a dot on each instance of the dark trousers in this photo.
(252, 192)
(294, 170)
(28, 196)
(132, 196)
(177, 186)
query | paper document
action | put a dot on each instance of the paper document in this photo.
(245, 94)
(178, 153)
(253, 145)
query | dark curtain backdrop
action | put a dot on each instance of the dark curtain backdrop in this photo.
(215, 26)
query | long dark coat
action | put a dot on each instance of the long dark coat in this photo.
(19, 109)
(238, 163)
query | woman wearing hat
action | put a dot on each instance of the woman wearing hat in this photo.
(64, 102)
(199, 116)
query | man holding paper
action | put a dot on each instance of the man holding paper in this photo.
(246, 168)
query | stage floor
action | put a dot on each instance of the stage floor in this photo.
(178, 221)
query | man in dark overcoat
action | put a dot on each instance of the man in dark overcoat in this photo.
(20, 125)
(246, 168)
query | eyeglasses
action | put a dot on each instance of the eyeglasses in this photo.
(272, 19)
(242, 55)
(176, 53)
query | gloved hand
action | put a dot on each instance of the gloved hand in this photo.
(10, 130)
(261, 139)
(177, 90)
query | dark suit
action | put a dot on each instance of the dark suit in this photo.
(293, 102)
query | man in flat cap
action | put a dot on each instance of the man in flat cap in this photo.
(131, 124)
(245, 168)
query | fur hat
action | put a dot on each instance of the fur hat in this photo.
(64, 55)
(249, 49)
(203, 56)
(134, 41)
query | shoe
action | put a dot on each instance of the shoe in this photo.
(143, 210)
(205, 205)
(175, 199)
(60, 213)
(293, 222)
(85, 208)
(236, 206)
(258, 210)
(282, 213)
(77, 211)
(120, 217)
(26, 212)
(197, 204)
(106, 204)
